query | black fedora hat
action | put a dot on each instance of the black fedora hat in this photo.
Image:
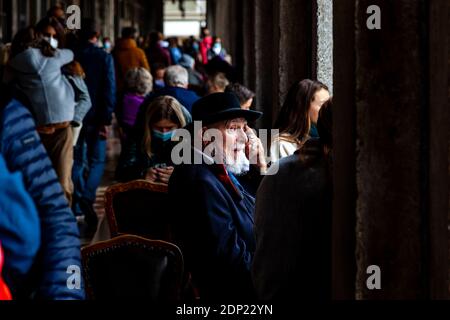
(220, 107)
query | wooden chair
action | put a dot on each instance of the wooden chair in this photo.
(138, 208)
(131, 267)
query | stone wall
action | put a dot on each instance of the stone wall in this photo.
(344, 153)
(448, 43)
(388, 103)
(394, 81)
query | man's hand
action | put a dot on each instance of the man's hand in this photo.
(254, 150)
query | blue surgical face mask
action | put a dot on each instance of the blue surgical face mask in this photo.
(217, 48)
(164, 136)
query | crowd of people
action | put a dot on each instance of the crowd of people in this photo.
(248, 229)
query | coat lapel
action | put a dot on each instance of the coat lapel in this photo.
(221, 173)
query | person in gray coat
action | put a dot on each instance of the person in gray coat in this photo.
(293, 223)
(35, 69)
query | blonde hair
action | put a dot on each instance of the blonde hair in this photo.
(220, 81)
(162, 108)
(139, 80)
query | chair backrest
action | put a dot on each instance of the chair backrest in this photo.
(131, 267)
(138, 208)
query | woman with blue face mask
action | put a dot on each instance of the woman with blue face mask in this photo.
(217, 50)
(107, 44)
(147, 154)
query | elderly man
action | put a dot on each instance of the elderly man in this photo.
(176, 79)
(212, 213)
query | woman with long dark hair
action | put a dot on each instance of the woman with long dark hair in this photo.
(298, 117)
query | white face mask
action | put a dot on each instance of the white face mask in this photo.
(52, 41)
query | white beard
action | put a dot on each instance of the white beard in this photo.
(239, 166)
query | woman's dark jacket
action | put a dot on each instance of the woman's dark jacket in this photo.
(293, 228)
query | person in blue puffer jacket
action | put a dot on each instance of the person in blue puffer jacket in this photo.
(59, 252)
(20, 233)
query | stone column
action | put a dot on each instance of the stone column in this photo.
(109, 19)
(437, 155)
(236, 42)
(324, 44)
(99, 15)
(2, 21)
(222, 24)
(248, 44)
(211, 15)
(14, 18)
(294, 54)
(153, 17)
(448, 59)
(283, 49)
(117, 18)
(35, 11)
(265, 59)
(395, 80)
(344, 154)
